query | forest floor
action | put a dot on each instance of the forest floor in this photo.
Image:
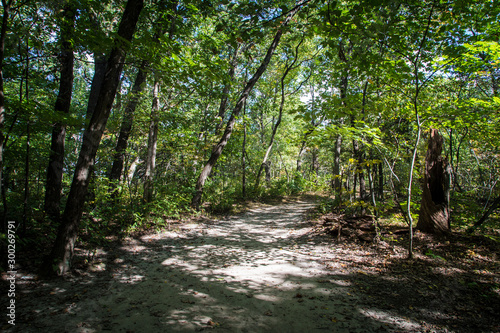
(269, 269)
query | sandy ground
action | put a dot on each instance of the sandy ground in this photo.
(261, 271)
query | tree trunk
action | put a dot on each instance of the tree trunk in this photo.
(372, 189)
(314, 162)
(304, 145)
(225, 92)
(265, 163)
(380, 181)
(26, 208)
(344, 84)
(28, 143)
(53, 185)
(337, 182)
(132, 168)
(359, 173)
(137, 89)
(3, 32)
(486, 214)
(284, 167)
(152, 143)
(59, 260)
(100, 69)
(267, 168)
(243, 153)
(217, 150)
(126, 126)
(434, 208)
(301, 153)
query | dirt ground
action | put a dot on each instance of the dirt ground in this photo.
(269, 269)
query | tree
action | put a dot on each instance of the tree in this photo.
(59, 260)
(63, 102)
(152, 143)
(288, 68)
(7, 4)
(126, 126)
(160, 28)
(217, 150)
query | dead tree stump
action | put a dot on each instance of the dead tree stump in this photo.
(434, 210)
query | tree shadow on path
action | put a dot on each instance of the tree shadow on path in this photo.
(261, 271)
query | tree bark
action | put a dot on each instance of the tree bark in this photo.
(359, 173)
(302, 150)
(26, 97)
(152, 143)
(344, 84)
(434, 208)
(380, 181)
(225, 92)
(337, 177)
(126, 126)
(314, 162)
(265, 164)
(137, 89)
(59, 260)
(303, 146)
(53, 185)
(243, 153)
(100, 64)
(3, 32)
(217, 150)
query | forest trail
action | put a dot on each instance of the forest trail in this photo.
(261, 271)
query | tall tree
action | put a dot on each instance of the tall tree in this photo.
(59, 260)
(152, 143)
(126, 126)
(63, 102)
(7, 4)
(288, 68)
(217, 150)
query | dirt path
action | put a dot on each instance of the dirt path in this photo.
(261, 271)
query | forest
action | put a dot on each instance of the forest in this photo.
(126, 117)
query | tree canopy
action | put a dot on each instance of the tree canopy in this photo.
(119, 115)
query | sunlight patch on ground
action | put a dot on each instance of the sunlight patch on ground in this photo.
(58, 290)
(130, 278)
(268, 298)
(404, 324)
(133, 248)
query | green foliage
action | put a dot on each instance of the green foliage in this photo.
(365, 69)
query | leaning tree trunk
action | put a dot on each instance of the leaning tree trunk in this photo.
(137, 89)
(265, 163)
(225, 91)
(126, 126)
(493, 207)
(434, 209)
(63, 102)
(60, 257)
(217, 150)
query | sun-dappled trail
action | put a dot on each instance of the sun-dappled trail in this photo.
(261, 271)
